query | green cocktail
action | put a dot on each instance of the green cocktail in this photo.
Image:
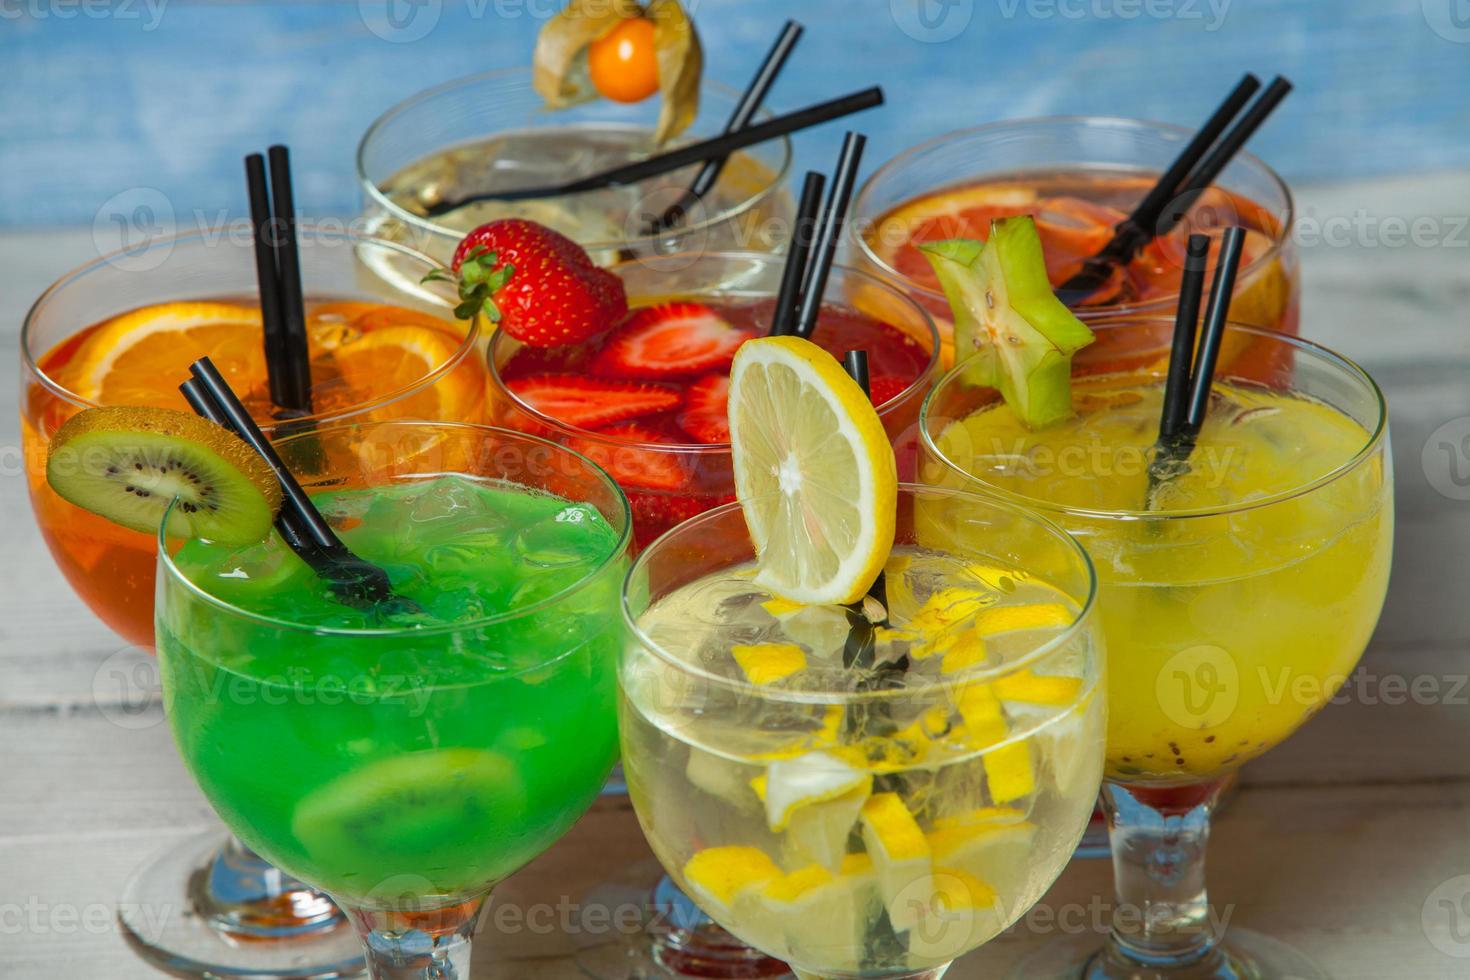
(407, 756)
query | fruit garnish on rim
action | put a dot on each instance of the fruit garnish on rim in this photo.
(624, 51)
(814, 471)
(129, 465)
(536, 284)
(1010, 328)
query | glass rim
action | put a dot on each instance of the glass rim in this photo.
(1349, 367)
(722, 448)
(625, 536)
(1086, 611)
(429, 226)
(896, 163)
(31, 365)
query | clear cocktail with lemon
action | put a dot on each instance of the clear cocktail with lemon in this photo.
(861, 775)
(123, 329)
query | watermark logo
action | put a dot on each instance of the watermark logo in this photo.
(1446, 459)
(400, 21)
(932, 21)
(129, 226)
(1198, 687)
(127, 691)
(1450, 19)
(1445, 917)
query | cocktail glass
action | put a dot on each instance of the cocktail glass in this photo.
(1233, 609)
(406, 762)
(860, 311)
(867, 822)
(245, 917)
(493, 130)
(1078, 175)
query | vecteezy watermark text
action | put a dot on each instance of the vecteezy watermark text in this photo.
(148, 12)
(1211, 13)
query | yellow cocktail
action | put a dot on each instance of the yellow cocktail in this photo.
(1236, 597)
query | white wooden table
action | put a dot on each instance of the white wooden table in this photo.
(1350, 841)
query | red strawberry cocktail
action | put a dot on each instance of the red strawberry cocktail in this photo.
(641, 390)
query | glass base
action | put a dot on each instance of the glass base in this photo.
(209, 908)
(1244, 955)
(674, 939)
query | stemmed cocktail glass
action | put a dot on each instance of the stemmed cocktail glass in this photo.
(383, 347)
(1235, 599)
(407, 756)
(493, 129)
(851, 821)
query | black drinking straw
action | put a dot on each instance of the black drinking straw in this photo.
(719, 146)
(353, 580)
(1177, 437)
(288, 267)
(860, 648)
(1216, 314)
(1186, 323)
(828, 232)
(1177, 189)
(289, 528)
(783, 318)
(745, 110)
(269, 283)
(278, 273)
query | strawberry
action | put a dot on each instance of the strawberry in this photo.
(632, 466)
(588, 403)
(705, 404)
(540, 286)
(669, 340)
(885, 388)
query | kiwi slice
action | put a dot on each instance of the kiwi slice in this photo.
(1017, 337)
(394, 810)
(129, 464)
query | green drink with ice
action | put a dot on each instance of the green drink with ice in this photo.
(389, 755)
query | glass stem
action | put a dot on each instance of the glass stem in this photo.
(431, 945)
(1163, 917)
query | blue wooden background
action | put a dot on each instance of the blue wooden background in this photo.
(104, 102)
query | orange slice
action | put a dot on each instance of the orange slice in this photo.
(1071, 228)
(392, 358)
(140, 358)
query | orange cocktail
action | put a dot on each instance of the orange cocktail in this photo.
(123, 330)
(1079, 177)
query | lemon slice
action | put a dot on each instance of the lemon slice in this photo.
(958, 913)
(767, 663)
(814, 471)
(816, 777)
(824, 914)
(719, 875)
(900, 854)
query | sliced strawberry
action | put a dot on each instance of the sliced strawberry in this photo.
(632, 465)
(670, 340)
(588, 403)
(885, 388)
(704, 414)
